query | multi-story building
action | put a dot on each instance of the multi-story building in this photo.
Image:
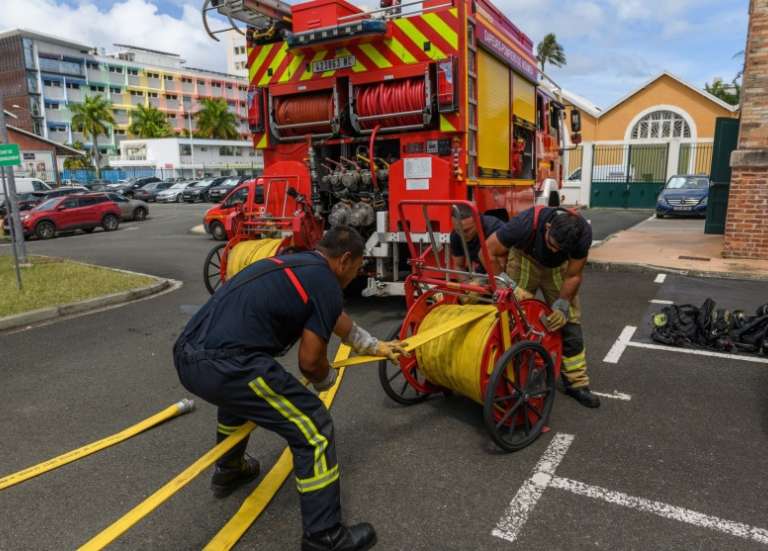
(237, 54)
(43, 75)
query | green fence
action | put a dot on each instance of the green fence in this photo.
(628, 176)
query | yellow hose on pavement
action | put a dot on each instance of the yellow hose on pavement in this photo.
(179, 408)
(246, 253)
(255, 503)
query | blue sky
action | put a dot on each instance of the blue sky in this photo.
(613, 46)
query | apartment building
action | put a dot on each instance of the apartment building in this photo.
(237, 54)
(42, 75)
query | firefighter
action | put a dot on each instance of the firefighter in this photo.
(226, 355)
(463, 219)
(550, 248)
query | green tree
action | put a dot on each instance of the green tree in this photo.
(214, 121)
(729, 93)
(149, 122)
(550, 51)
(80, 162)
(91, 118)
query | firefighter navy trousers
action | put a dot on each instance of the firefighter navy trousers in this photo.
(255, 387)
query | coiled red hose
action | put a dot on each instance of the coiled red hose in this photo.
(304, 109)
(391, 97)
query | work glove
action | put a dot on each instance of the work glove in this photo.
(472, 298)
(521, 294)
(391, 350)
(559, 316)
(328, 382)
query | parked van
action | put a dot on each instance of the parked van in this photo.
(27, 185)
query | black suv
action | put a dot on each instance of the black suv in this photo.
(139, 183)
(217, 193)
(199, 191)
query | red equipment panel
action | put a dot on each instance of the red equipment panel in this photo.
(320, 13)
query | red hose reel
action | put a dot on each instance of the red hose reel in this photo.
(406, 99)
(305, 114)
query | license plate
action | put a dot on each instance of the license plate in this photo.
(343, 62)
(683, 208)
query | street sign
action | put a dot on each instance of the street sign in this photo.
(9, 155)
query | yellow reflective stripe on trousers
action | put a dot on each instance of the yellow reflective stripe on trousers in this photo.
(295, 416)
(557, 277)
(227, 429)
(572, 363)
(525, 272)
(316, 483)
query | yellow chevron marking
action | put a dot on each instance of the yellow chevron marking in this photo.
(260, 57)
(276, 61)
(317, 57)
(291, 69)
(262, 142)
(358, 66)
(446, 125)
(400, 51)
(418, 38)
(442, 28)
(375, 56)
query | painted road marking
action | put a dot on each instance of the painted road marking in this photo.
(521, 506)
(543, 476)
(660, 301)
(754, 359)
(614, 354)
(660, 278)
(616, 395)
(663, 510)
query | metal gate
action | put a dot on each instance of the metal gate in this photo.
(628, 176)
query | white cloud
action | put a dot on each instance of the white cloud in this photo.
(136, 22)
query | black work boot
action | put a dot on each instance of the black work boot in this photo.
(227, 479)
(583, 395)
(359, 537)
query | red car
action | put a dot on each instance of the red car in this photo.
(75, 212)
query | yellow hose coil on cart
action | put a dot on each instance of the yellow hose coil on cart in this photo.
(454, 359)
(247, 252)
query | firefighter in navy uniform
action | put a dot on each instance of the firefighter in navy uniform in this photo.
(226, 355)
(549, 252)
(464, 220)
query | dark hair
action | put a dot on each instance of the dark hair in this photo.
(339, 240)
(464, 211)
(566, 230)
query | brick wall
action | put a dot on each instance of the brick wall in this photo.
(746, 228)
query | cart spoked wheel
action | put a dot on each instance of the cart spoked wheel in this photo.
(213, 267)
(520, 395)
(404, 383)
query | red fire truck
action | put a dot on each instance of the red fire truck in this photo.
(356, 111)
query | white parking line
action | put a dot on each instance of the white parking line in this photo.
(614, 354)
(616, 395)
(660, 278)
(516, 515)
(754, 359)
(660, 301)
(664, 510)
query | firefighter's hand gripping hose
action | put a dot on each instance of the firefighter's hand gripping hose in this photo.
(362, 342)
(179, 408)
(559, 316)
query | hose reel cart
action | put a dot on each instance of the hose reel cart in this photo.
(500, 355)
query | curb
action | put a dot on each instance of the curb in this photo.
(628, 267)
(87, 305)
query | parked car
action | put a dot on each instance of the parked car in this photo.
(199, 191)
(65, 190)
(98, 185)
(130, 209)
(218, 192)
(214, 217)
(85, 212)
(139, 183)
(685, 195)
(26, 185)
(24, 201)
(174, 194)
(148, 192)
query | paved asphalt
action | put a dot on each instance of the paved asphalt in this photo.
(693, 435)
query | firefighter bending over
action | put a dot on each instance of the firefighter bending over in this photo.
(464, 220)
(226, 355)
(550, 248)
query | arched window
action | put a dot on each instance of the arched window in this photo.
(660, 125)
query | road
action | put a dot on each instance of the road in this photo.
(689, 431)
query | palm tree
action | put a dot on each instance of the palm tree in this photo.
(79, 162)
(214, 121)
(550, 51)
(91, 118)
(149, 122)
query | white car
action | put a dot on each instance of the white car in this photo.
(173, 194)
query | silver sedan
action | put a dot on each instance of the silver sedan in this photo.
(173, 194)
(131, 209)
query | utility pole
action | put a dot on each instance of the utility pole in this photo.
(13, 234)
(12, 204)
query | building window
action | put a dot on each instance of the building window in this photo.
(133, 72)
(168, 77)
(216, 84)
(29, 54)
(185, 149)
(113, 69)
(226, 151)
(229, 86)
(115, 90)
(136, 93)
(186, 80)
(660, 125)
(91, 65)
(153, 75)
(51, 105)
(97, 88)
(73, 85)
(173, 97)
(152, 94)
(201, 83)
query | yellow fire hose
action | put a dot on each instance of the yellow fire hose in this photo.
(246, 253)
(120, 526)
(179, 408)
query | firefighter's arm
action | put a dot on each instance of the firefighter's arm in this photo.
(313, 361)
(362, 342)
(498, 253)
(572, 279)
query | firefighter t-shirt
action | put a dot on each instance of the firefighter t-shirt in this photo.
(518, 231)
